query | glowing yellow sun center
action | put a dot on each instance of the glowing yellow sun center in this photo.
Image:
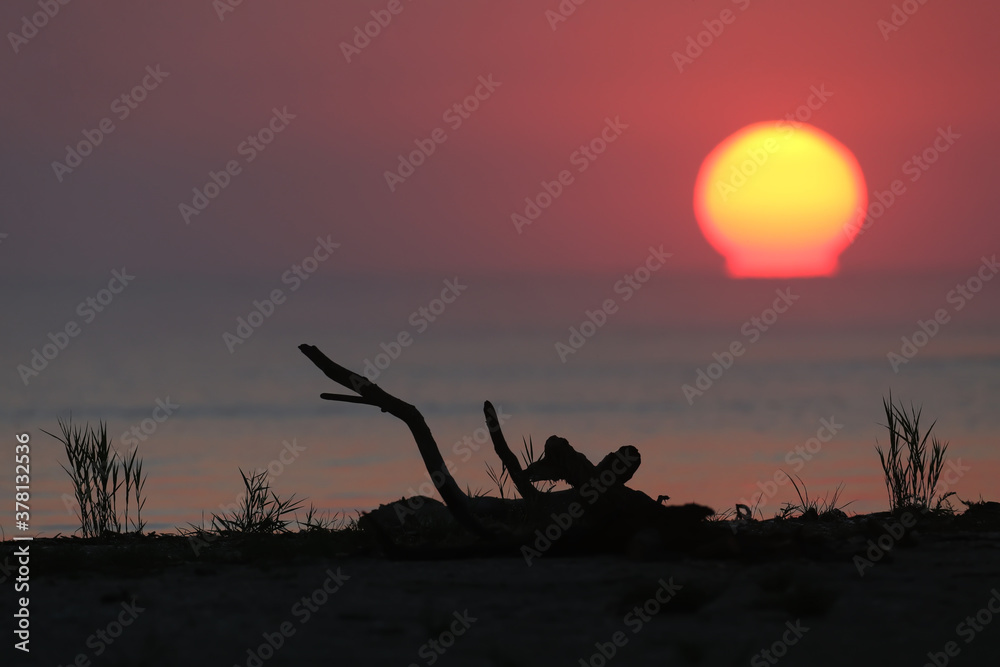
(780, 200)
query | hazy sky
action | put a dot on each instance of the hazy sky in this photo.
(554, 87)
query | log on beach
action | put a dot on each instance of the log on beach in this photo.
(599, 512)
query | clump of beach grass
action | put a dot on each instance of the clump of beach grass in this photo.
(98, 473)
(911, 471)
(323, 521)
(810, 506)
(261, 511)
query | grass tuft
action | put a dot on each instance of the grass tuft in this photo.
(911, 476)
(317, 521)
(98, 473)
(260, 510)
(812, 507)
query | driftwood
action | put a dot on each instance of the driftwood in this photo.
(599, 510)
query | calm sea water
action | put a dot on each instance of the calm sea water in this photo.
(822, 362)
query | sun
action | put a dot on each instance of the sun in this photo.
(780, 200)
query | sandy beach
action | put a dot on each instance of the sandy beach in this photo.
(308, 600)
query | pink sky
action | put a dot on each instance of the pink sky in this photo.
(325, 173)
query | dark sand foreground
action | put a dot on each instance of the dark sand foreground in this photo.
(324, 603)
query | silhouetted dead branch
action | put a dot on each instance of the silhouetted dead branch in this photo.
(601, 510)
